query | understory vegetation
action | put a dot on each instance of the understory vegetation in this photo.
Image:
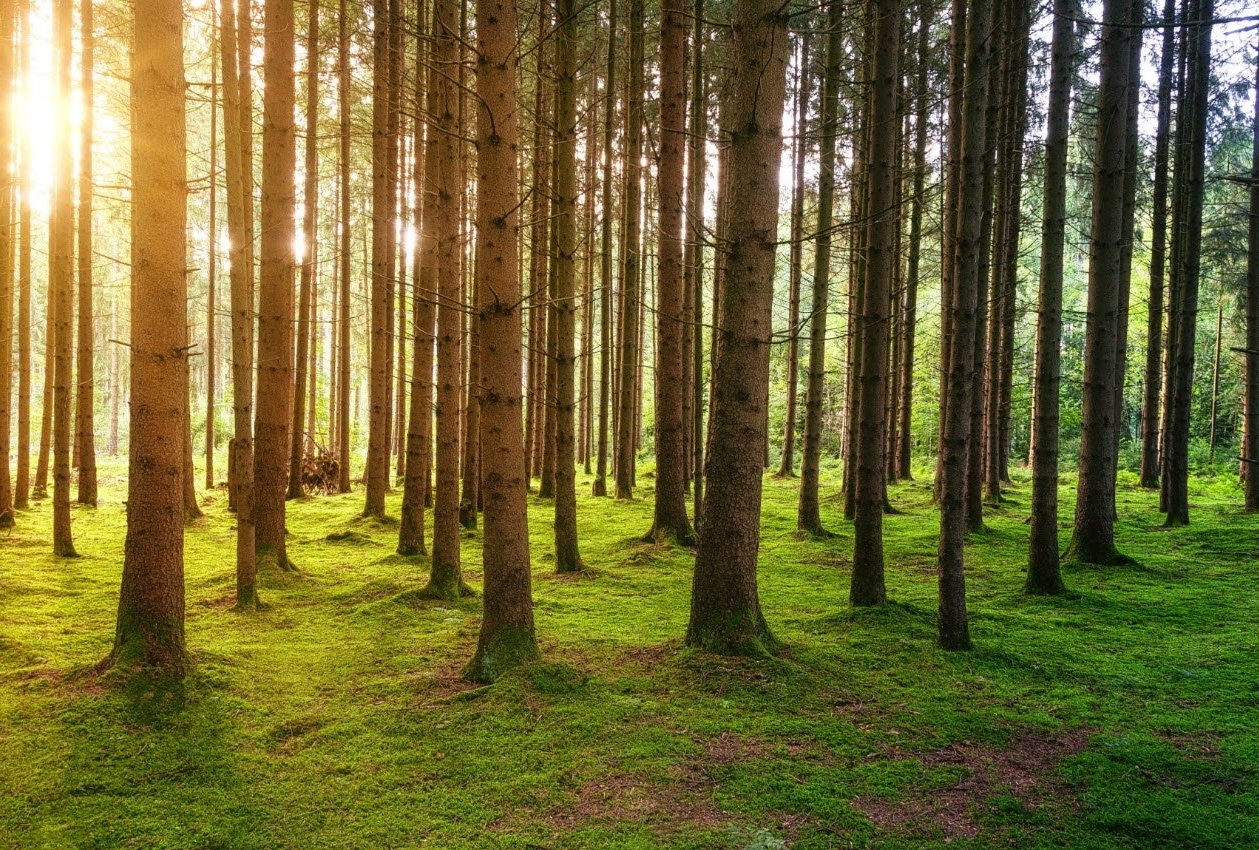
(1123, 714)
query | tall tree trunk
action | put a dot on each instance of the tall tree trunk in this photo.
(22, 485)
(567, 558)
(1193, 111)
(631, 283)
(306, 285)
(600, 485)
(274, 413)
(1250, 444)
(212, 258)
(670, 520)
(150, 626)
(725, 606)
(237, 162)
(346, 250)
(1043, 574)
(446, 577)
(507, 637)
(1158, 261)
(963, 319)
(696, 181)
(40, 487)
(85, 397)
(808, 517)
(192, 508)
(61, 285)
(6, 266)
(377, 473)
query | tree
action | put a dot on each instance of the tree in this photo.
(882, 210)
(345, 252)
(631, 258)
(963, 319)
(61, 287)
(725, 607)
(506, 638)
(1093, 540)
(22, 486)
(1250, 448)
(274, 412)
(237, 132)
(85, 396)
(1043, 574)
(808, 518)
(600, 485)
(212, 256)
(567, 557)
(150, 628)
(6, 268)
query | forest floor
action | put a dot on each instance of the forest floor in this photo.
(1125, 714)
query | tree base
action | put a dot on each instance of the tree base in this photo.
(445, 591)
(507, 649)
(599, 487)
(411, 551)
(746, 636)
(684, 537)
(1096, 556)
(1045, 587)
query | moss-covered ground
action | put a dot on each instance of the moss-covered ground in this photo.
(1123, 715)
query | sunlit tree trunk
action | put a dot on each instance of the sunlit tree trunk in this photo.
(696, 182)
(346, 249)
(22, 485)
(6, 265)
(506, 638)
(61, 285)
(725, 607)
(212, 258)
(85, 388)
(1250, 446)
(150, 626)
(600, 485)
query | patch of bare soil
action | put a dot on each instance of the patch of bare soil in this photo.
(1025, 769)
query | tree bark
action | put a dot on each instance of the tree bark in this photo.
(507, 637)
(61, 286)
(7, 197)
(212, 258)
(150, 626)
(346, 252)
(1250, 444)
(85, 396)
(600, 485)
(725, 607)
(22, 486)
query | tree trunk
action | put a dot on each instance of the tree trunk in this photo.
(7, 198)
(963, 319)
(343, 349)
(600, 485)
(1158, 261)
(808, 518)
(506, 639)
(61, 286)
(725, 607)
(695, 228)
(237, 162)
(150, 627)
(1043, 574)
(85, 397)
(22, 486)
(274, 414)
(306, 285)
(212, 258)
(1250, 444)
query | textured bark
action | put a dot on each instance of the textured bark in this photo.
(192, 508)
(725, 607)
(697, 163)
(808, 516)
(274, 413)
(377, 473)
(600, 485)
(150, 627)
(61, 286)
(631, 282)
(1193, 111)
(1158, 260)
(22, 485)
(1043, 574)
(6, 270)
(343, 348)
(446, 578)
(867, 586)
(506, 638)
(212, 258)
(670, 520)
(306, 286)
(85, 353)
(963, 308)
(1093, 540)
(804, 80)
(567, 558)
(238, 161)
(1250, 413)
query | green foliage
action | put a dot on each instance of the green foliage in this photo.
(1121, 715)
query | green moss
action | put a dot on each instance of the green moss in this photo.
(336, 717)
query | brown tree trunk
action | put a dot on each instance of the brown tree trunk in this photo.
(346, 250)
(6, 267)
(61, 286)
(882, 210)
(192, 508)
(507, 638)
(600, 485)
(306, 285)
(1094, 536)
(696, 180)
(40, 487)
(963, 319)
(22, 486)
(237, 162)
(85, 396)
(808, 517)
(1193, 111)
(1043, 574)
(150, 626)
(1158, 261)
(212, 258)
(274, 413)
(631, 283)
(1250, 411)
(725, 607)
